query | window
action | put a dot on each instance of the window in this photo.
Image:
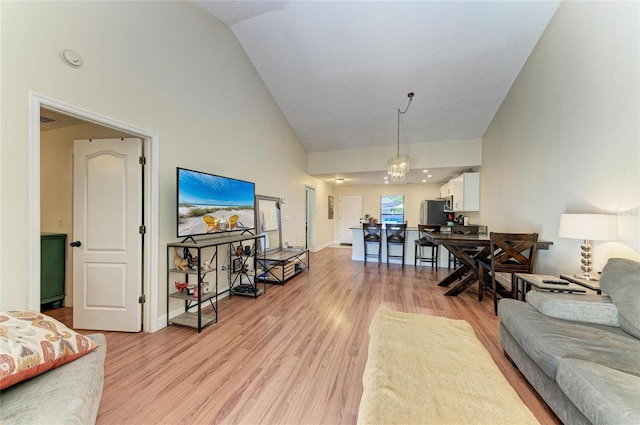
(392, 209)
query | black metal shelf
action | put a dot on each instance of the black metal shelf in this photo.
(187, 297)
(280, 266)
(198, 320)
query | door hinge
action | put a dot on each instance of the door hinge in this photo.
(142, 229)
(142, 299)
(142, 160)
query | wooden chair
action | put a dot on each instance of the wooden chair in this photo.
(372, 233)
(511, 253)
(396, 235)
(463, 230)
(421, 243)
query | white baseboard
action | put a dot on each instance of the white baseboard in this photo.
(323, 246)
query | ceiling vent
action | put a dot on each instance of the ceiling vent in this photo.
(45, 120)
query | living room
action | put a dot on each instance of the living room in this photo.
(564, 139)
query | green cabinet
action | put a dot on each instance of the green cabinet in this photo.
(52, 265)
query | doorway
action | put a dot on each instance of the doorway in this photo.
(310, 218)
(150, 321)
(57, 132)
(350, 215)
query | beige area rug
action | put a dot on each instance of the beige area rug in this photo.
(433, 370)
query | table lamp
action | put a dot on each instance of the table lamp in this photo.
(588, 227)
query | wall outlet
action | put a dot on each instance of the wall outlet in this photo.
(59, 222)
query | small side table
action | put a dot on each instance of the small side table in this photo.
(594, 285)
(537, 281)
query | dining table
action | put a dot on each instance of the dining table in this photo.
(468, 249)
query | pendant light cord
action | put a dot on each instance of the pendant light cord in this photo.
(410, 96)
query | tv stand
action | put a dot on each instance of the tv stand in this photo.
(282, 265)
(198, 271)
(188, 238)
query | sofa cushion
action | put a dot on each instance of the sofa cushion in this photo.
(69, 394)
(581, 308)
(548, 340)
(605, 396)
(32, 343)
(621, 280)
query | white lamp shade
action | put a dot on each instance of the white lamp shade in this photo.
(590, 227)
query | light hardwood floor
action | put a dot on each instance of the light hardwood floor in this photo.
(293, 356)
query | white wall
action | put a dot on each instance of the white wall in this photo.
(443, 154)
(566, 138)
(166, 67)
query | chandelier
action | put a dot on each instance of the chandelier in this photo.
(398, 166)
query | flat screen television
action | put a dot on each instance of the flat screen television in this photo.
(209, 204)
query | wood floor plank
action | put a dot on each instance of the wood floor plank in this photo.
(295, 355)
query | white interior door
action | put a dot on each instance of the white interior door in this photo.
(107, 213)
(350, 215)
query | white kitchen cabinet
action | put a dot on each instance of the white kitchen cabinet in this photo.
(457, 192)
(445, 190)
(465, 190)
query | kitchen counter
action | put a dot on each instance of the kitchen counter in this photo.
(357, 248)
(357, 251)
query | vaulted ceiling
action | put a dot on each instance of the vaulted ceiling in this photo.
(339, 70)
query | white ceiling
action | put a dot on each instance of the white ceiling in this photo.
(339, 70)
(52, 120)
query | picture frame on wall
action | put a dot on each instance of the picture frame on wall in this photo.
(330, 207)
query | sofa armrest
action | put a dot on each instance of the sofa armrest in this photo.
(598, 309)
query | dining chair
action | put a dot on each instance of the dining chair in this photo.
(421, 243)
(372, 233)
(462, 230)
(511, 253)
(470, 229)
(396, 235)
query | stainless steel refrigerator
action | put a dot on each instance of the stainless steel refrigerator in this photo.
(432, 212)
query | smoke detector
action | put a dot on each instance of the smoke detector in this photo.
(71, 58)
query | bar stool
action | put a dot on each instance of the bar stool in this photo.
(396, 234)
(421, 243)
(453, 259)
(372, 233)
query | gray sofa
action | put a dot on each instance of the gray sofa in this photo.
(581, 352)
(68, 394)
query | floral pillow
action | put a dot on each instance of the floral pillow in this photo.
(32, 343)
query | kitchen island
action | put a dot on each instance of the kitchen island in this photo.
(357, 248)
